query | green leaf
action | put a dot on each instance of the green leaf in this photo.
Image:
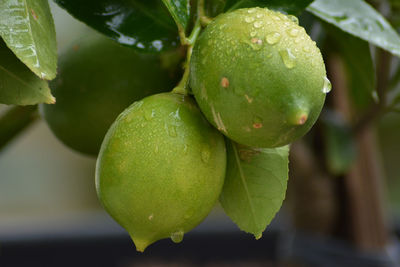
(285, 6)
(255, 185)
(18, 85)
(180, 11)
(144, 25)
(358, 65)
(359, 19)
(28, 29)
(340, 148)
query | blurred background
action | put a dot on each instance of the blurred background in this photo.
(50, 215)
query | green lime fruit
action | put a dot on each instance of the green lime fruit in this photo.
(258, 77)
(97, 79)
(161, 168)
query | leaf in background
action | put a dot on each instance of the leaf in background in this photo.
(18, 84)
(285, 6)
(359, 19)
(358, 65)
(340, 148)
(180, 11)
(255, 185)
(28, 29)
(214, 7)
(144, 25)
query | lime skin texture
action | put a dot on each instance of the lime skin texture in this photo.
(161, 168)
(97, 79)
(258, 77)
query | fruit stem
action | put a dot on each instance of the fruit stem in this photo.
(14, 121)
(182, 35)
(182, 87)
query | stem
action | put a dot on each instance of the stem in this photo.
(15, 121)
(182, 35)
(182, 87)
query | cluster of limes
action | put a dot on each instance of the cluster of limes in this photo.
(257, 78)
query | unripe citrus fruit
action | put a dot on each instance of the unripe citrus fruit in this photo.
(258, 77)
(97, 80)
(161, 168)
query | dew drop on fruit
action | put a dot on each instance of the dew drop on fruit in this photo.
(293, 32)
(249, 19)
(252, 10)
(177, 237)
(252, 34)
(273, 38)
(306, 49)
(294, 19)
(276, 18)
(149, 114)
(205, 154)
(257, 24)
(327, 86)
(172, 130)
(288, 58)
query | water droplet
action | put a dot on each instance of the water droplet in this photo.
(327, 86)
(257, 24)
(257, 122)
(288, 58)
(249, 19)
(136, 105)
(149, 114)
(205, 154)
(306, 49)
(294, 19)
(258, 236)
(293, 32)
(252, 34)
(273, 38)
(251, 10)
(259, 15)
(276, 18)
(172, 131)
(177, 237)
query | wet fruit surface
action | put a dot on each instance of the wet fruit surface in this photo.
(258, 77)
(161, 168)
(97, 79)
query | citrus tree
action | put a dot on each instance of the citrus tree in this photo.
(252, 82)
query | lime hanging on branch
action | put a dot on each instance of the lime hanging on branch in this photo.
(258, 77)
(161, 168)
